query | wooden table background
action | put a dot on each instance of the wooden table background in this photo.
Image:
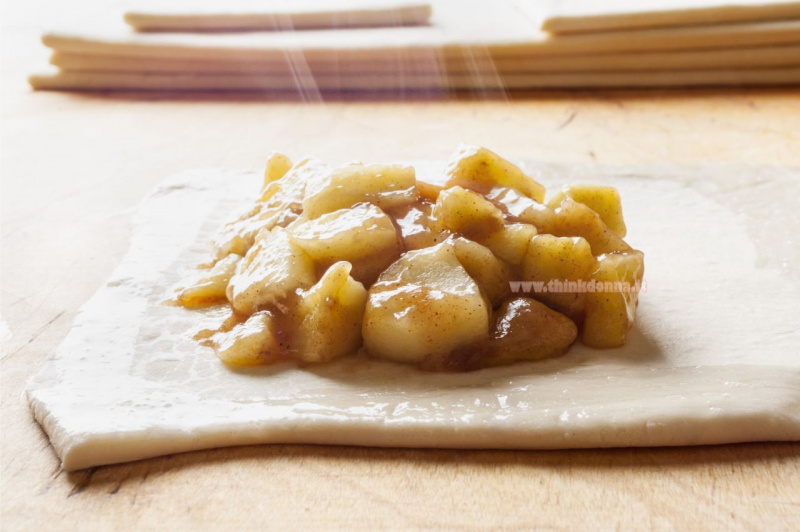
(75, 166)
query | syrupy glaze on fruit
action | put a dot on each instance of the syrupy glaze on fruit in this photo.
(425, 271)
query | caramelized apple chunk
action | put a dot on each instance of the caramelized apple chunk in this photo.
(466, 212)
(418, 227)
(481, 170)
(289, 190)
(386, 186)
(510, 242)
(280, 204)
(238, 236)
(611, 307)
(491, 274)
(576, 219)
(208, 286)
(561, 260)
(364, 236)
(605, 201)
(250, 343)
(272, 269)
(528, 330)
(424, 305)
(332, 312)
(523, 209)
(277, 167)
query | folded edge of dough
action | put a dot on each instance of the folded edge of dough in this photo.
(397, 14)
(666, 18)
(756, 58)
(93, 81)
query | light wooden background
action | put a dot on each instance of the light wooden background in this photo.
(74, 167)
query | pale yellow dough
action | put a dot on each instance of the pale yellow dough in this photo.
(760, 57)
(455, 31)
(712, 358)
(401, 81)
(571, 16)
(281, 15)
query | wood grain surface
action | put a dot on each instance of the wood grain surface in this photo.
(75, 166)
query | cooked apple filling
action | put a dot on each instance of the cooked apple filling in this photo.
(421, 270)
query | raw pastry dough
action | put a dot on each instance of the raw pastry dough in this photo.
(762, 57)
(402, 81)
(286, 15)
(713, 358)
(500, 34)
(567, 16)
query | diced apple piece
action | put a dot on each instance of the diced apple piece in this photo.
(277, 166)
(466, 212)
(490, 273)
(428, 191)
(364, 236)
(249, 343)
(280, 204)
(481, 170)
(424, 305)
(332, 315)
(289, 191)
(611, 308)
(510, 242)
(212, 320)
(417, 226)
(430, 181)
(386, 186)
(605, 201)
(527, 330)
(540, 216)
(560, 259)
(208, 286)
(522, 208)
(272, 269)
(238, 236)
(576, 219)
(510, 201)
